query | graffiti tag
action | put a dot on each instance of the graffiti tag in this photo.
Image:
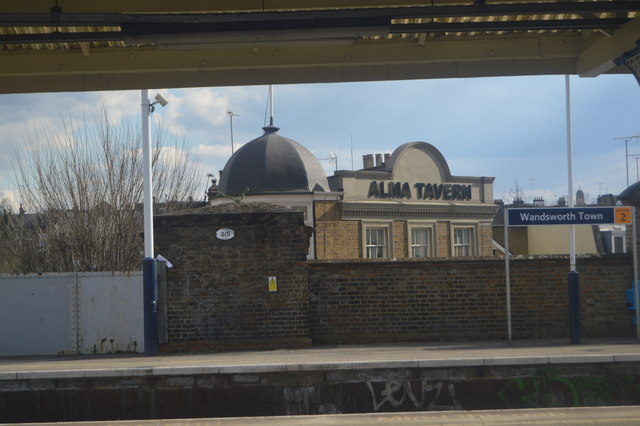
(396, 393)
(543, 389)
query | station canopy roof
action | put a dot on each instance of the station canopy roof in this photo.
(79, 45)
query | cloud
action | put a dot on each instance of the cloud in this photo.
(9, 198)
(171, 155)
(120, 104)
(211, 158)
(211, 151)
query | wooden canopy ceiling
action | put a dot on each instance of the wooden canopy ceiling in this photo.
(79, 45)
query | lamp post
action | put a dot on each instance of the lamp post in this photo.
(149, 267)
(573, 278)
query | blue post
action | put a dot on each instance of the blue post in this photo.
(574, 307)
(150, 300)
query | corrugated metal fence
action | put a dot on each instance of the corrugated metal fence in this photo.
(71, 313)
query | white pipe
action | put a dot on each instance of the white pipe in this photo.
(145, 110)
(572, 229)
(507, 273)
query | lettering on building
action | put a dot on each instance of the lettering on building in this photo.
(423, 191)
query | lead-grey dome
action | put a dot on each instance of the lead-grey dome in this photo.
(272, 163)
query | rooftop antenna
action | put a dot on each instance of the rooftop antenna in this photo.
(626, 140)
(333, 159)
(351, 152)
(231, 115)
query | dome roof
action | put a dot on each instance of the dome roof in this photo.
(272, 163)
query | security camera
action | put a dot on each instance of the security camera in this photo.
(160, 100)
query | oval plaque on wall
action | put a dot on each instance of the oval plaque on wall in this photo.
(225, 234)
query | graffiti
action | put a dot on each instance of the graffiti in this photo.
(543, 389)
(608, 390)
(396, 393)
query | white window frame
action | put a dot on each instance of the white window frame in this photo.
(388, 235)
(615, 235)
(616, 231)
(613, 243)
(473, 227)
(431, 240)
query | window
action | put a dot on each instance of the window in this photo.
(614, 238)
(421, 242)
(618, 244)
(463, 241)
(377, 239)
(375, 242)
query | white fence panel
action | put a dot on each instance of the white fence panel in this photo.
(35, 314)
(111, 313)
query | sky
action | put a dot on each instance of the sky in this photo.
(511, 128)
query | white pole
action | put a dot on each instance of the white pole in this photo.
(572, 229)
(507, 272)
(231, 128)
(145, 109)
(626, 156)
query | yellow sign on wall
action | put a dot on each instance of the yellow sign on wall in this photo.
(623, 215)
(273, 284)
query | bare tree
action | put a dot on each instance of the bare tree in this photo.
(85, 191)
(516, 193)
(8, 259)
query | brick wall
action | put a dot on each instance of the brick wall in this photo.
(518, 238)
(336, 238)
(485, 232)
(400, 239)
(442, 239)
(217, 292)
(370, 301)
(342, 239)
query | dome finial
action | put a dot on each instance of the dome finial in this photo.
(270, 128)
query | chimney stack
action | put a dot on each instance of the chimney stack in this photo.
(367, 161)
(378, 160)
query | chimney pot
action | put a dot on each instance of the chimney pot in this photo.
(367, 161)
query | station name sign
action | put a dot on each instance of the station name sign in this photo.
(569, 216)
(421, 191)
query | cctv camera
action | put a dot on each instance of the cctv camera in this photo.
(161, 100)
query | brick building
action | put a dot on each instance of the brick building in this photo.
(239, 277)
(401, 205)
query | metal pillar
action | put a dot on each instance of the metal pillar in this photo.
(574, 307)
(149, 267)
(573, 278)
(507, 274)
